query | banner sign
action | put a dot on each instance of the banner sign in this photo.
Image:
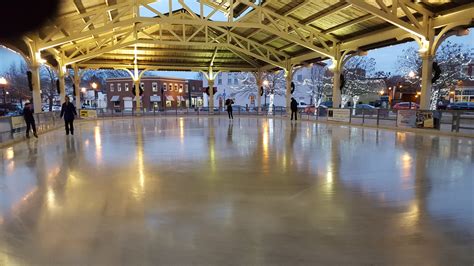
(88, 113)
(406, 118)
(18, 122)
(424, 119)
(339, 115)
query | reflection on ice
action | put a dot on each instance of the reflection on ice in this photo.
(250, 191)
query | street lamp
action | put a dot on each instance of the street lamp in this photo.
(411, 74)
(265, 87)
(3, 84)
(94, 85)
(84, 91)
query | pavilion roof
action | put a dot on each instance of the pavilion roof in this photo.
(254, 34)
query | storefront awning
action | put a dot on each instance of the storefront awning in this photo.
(155, 98)
(115, 98)
(127, 98)
(169, 98)
(181, 98)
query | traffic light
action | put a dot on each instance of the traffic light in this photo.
(214, 90)
(437, 72)
(140, 91)
(30, 78)
(57, 86)
(343, 81)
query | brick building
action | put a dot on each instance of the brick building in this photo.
(158, 93)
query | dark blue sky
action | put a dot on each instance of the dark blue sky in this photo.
(385, 57)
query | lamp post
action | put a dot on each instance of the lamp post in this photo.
(265, 87)
(84, 91)
(3, 84)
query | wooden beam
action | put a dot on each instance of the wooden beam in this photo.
(325, 12)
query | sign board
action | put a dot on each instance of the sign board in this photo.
(18, 122)
(406, 118)
(339, 115)
(424, 119)
(88, 113)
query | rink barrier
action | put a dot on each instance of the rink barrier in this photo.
(455, 121)
(13, 128)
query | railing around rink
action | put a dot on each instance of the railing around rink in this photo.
(237, 111)
(443, 120)
(14, 127)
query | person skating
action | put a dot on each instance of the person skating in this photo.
(29, 120)
(229, 103)
(68, 110)
(294, 108)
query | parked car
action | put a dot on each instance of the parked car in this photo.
(311, 108)
(237, 108)
(327, 104)
(365, 109)
(406, 106)
(206, 109)
(461, 106)
(442, 105)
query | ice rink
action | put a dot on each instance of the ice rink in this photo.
(207, 191)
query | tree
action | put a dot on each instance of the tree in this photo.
(450, 58)
(18, 82)
(360, 79)
(276, 82)
(318, 82)
(48, 84)
(247, 84)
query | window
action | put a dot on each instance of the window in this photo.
(127, 86)
(193, 88)
(154, 86)
(112, 88)
(165, 87)
(229, 81)
(180, 88)
(119, 87)
(299, 78)
(236, 81)
(186, 88)
(219, 80)
(142, 85)
(176, 87)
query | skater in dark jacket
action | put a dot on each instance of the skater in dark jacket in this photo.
(29, 120)
(68, 110)
(229, 103)
(294, 108)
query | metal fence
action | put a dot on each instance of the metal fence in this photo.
(277, 111)
(445, 120)
(12, 128)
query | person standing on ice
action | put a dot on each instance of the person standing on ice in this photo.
(29, 120)
(229, 103)
(294, 108)
(68, 110)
